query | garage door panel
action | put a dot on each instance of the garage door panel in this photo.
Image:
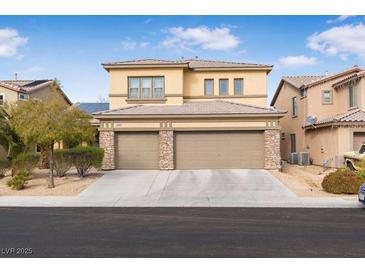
(137, 150)
(199, 150)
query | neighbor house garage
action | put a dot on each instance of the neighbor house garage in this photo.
(196, 135)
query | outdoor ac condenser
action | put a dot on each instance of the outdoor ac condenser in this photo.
(303, 158)
(293, 158)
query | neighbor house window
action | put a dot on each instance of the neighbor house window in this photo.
(23, 96)
(2, 99)
(293, 143)
(146, 87)
(208, 87)
(238, 87)
(352, 96)
(223, 87)
(294, 106)
(326, 97)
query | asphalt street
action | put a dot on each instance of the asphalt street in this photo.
(181, 232)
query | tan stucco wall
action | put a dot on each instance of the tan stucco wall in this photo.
(118, 80)
(291, 125)
(11, 96)
(182, 85)
(254, 84)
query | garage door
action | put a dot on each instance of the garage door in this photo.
(137, 150)
(359, 138)
(205, 150)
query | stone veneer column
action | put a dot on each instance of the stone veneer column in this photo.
(272, 148)
(166, 149)
(107, 142)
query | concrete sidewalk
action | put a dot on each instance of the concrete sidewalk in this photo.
(188, 188)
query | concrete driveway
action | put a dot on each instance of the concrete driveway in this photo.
(186, 188)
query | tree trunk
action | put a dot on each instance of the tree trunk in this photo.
(43, 161)
(51, 166)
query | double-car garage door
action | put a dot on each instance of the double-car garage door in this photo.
(193, 150)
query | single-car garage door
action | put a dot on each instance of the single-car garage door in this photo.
(205, 150)
(137, 150)
(359, 138)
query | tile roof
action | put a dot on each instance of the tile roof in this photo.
(299, 81)
(191, 63)
(192, 108)
(349, 79)
(349, 117)
(92, 107)
(25, 85)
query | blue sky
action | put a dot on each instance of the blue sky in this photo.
(72, 48)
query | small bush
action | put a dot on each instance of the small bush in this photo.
(342, 181)
(5, 165)
(19, 181)
(62, 162)
(361, 173)
(84, 158)
(25, 161)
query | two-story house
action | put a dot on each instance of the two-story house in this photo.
(189, 114)
(12, 91)
(336, 103)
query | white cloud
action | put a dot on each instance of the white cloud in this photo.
(296, 61)
(219, 38)
(339, 19)
(342, 40)
(129, 44)
(10, 41)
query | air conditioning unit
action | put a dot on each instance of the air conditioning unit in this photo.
(294, 158)
(303, 159)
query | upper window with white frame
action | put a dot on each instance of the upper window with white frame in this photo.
(352, 96)
(294, 107)
(146, 87)
(238, 86)
(327, 97)
(23, 96)
(208, 87)
(223, 87)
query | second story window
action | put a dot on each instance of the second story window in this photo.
(146, 87)
(223, 87)
(326, 97)
(294, 107)
(208, 87)
(23, 96)
(352, 96)
(238, 87)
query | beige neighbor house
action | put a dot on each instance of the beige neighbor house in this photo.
(338, 103)
(12, 91)
(189, 114)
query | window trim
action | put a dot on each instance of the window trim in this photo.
(219, 86)
(293, 144)
(205, 93)
(331, 97)
(234, 86)
(294, 113)
(354, 97)
(23, 99)
(140, 87)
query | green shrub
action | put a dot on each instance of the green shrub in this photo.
(25, 161)
(342, 181)
(361, 173)
(62, 162)
(19, 181)
(5, 165)
(84, 158)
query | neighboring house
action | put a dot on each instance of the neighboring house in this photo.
(189, 114)
(337, 102)
(12, 91)
(90, 108)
